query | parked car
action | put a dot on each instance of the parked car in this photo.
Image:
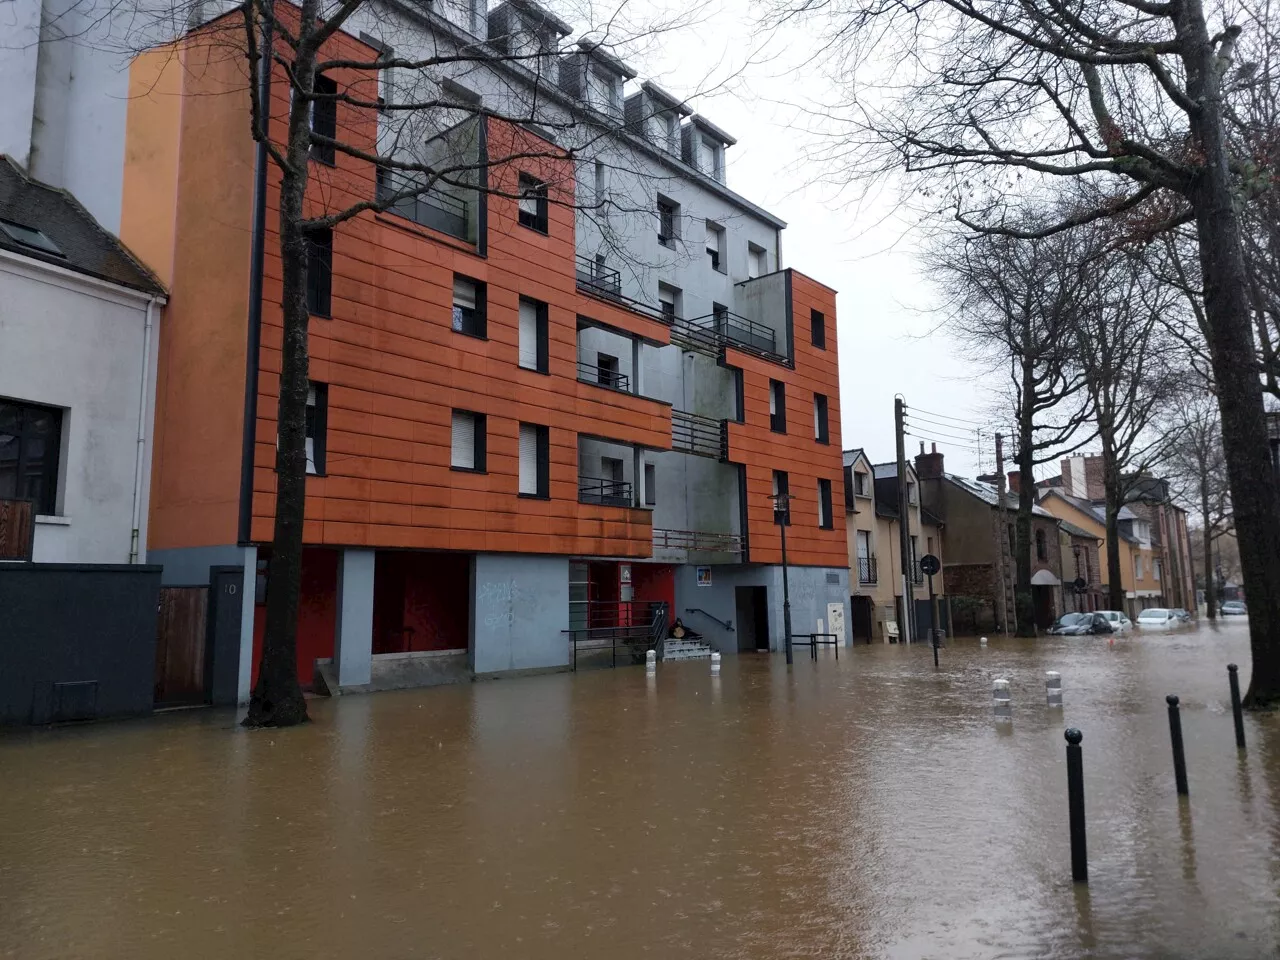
(1234, 608)
(1158, 618)
(1183, 615)
(1119, 622)
(1080, 625)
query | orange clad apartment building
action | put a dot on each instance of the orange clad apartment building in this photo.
(522, 434)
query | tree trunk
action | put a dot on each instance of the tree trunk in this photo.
(1210, 598)
(1024, 606)
(1111, 501)
(277, 699)
(1229, 336)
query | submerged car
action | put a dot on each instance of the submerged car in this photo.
(1080, 625)
(1183, 615)
(1119, 622)
(1158, 618)
(1234, 608)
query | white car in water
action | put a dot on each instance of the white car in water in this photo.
(1158, 618)
(1119, 622)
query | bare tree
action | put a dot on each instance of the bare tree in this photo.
(1013, 303)
(1196, 470)
(982, 102)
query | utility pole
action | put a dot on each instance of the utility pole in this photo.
(1007, 611)
(904, 519)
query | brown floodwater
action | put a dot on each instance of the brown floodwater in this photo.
(869, 807)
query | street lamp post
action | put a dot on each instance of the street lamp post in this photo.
(781, 516)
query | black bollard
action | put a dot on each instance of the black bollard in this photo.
(1175, 735)
(1236, 710)
(1075, 806)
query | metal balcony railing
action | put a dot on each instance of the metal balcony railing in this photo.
(712, 333)
(699, 540)
(433, 208)
(612, 627)
(867, 570)
(701, 436)
(597, 280)
(608, 493)
(603, 377)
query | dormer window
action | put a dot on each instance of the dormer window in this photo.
(602, 91)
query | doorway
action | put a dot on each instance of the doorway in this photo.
(861, 617)
(752, 610)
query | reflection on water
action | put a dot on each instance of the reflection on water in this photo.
(869, 807)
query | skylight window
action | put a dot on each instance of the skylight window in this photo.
(30, 237)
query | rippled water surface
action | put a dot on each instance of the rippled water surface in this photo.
(869, 807)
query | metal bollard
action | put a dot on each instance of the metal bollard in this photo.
(1237, 712)
(1053, 688)
(1075, 806)
(1175, 735)
(715, 664)
(982, 642)
(651, 661)
(1001, 705)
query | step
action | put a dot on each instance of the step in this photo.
(685, 650)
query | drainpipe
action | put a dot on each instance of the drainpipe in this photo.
(135, 546)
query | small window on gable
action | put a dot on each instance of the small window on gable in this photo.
(324, 118)
(533, 203)
(818, 329)
(469, 307)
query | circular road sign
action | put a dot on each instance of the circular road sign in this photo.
(930, 564)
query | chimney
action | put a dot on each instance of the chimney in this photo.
(1015, 481)
(929, 466)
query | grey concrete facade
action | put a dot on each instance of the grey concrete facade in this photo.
(353, 640)
(520, 610)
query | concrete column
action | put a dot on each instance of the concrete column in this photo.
(636, 386)
(353, 645)
(637, 476)
(248, 599)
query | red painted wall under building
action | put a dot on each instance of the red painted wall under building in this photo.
(420, 601)
(317, 614)
(654, 581)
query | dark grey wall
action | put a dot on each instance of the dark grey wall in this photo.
(77, 642)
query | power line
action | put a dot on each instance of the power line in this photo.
(946, 443)
(944, 416)
(976, 441)
(939, 423)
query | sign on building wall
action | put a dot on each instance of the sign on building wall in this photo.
(704, 576)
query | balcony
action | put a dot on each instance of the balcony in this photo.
(604, 492)
(700, 436)
(711, 334)
(867, 571)
(603, 377)
(697, 540)
(597, 280)
(433, 208)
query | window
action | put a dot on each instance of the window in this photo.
(324, 118)
(601, 183)
(860, 484)
(319, 272)
(824, 504)
(30, 441)
(650, 484)
(607, 374)
(30, 238)
(602, 91)
(468, 307)
(1042, 548)
(533, 203)
(468, 449)
(820, 418)
(864, 544)
(781, 491)
(709, 157)
(613, 488)
(668, 220)
(818, 329)
(668, 299)
(317, 426)
(1137, 566)
(533, 335)
(757, 261)
(777, 406)
(534, 461)
(911, 492)
(715, 246)
(1156, 566)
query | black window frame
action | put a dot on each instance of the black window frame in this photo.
(608, 375)
(818, 329)
(826, 518)
(537, 221)
(1042, 546)
(719, 257)
(317, 426)
(778, 396)
(543, 456)
(668, 218)
(782, 515)
(480, 453)
(320, 272)
(821, 415)
(46, 502)
(541, 332)
(650, 489)
(480, 315)
(324, 119)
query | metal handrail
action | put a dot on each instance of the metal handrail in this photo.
(609, 493)
(431, 208)
(699, 540)
(739, 331)
(867, 572)
(609, 379)
(605, 283)
(815, 640)
(637, 625)
(727, 624)
(699, 435)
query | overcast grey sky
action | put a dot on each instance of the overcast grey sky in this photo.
(862, 246)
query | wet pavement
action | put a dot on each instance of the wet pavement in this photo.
(868, 807)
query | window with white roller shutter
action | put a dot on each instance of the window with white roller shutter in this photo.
(468, 447)
(528, 459)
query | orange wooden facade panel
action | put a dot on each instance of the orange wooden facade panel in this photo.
(796, 452)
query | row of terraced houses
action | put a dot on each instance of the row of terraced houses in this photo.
(547, 407)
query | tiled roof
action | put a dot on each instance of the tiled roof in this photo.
(990, 495)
